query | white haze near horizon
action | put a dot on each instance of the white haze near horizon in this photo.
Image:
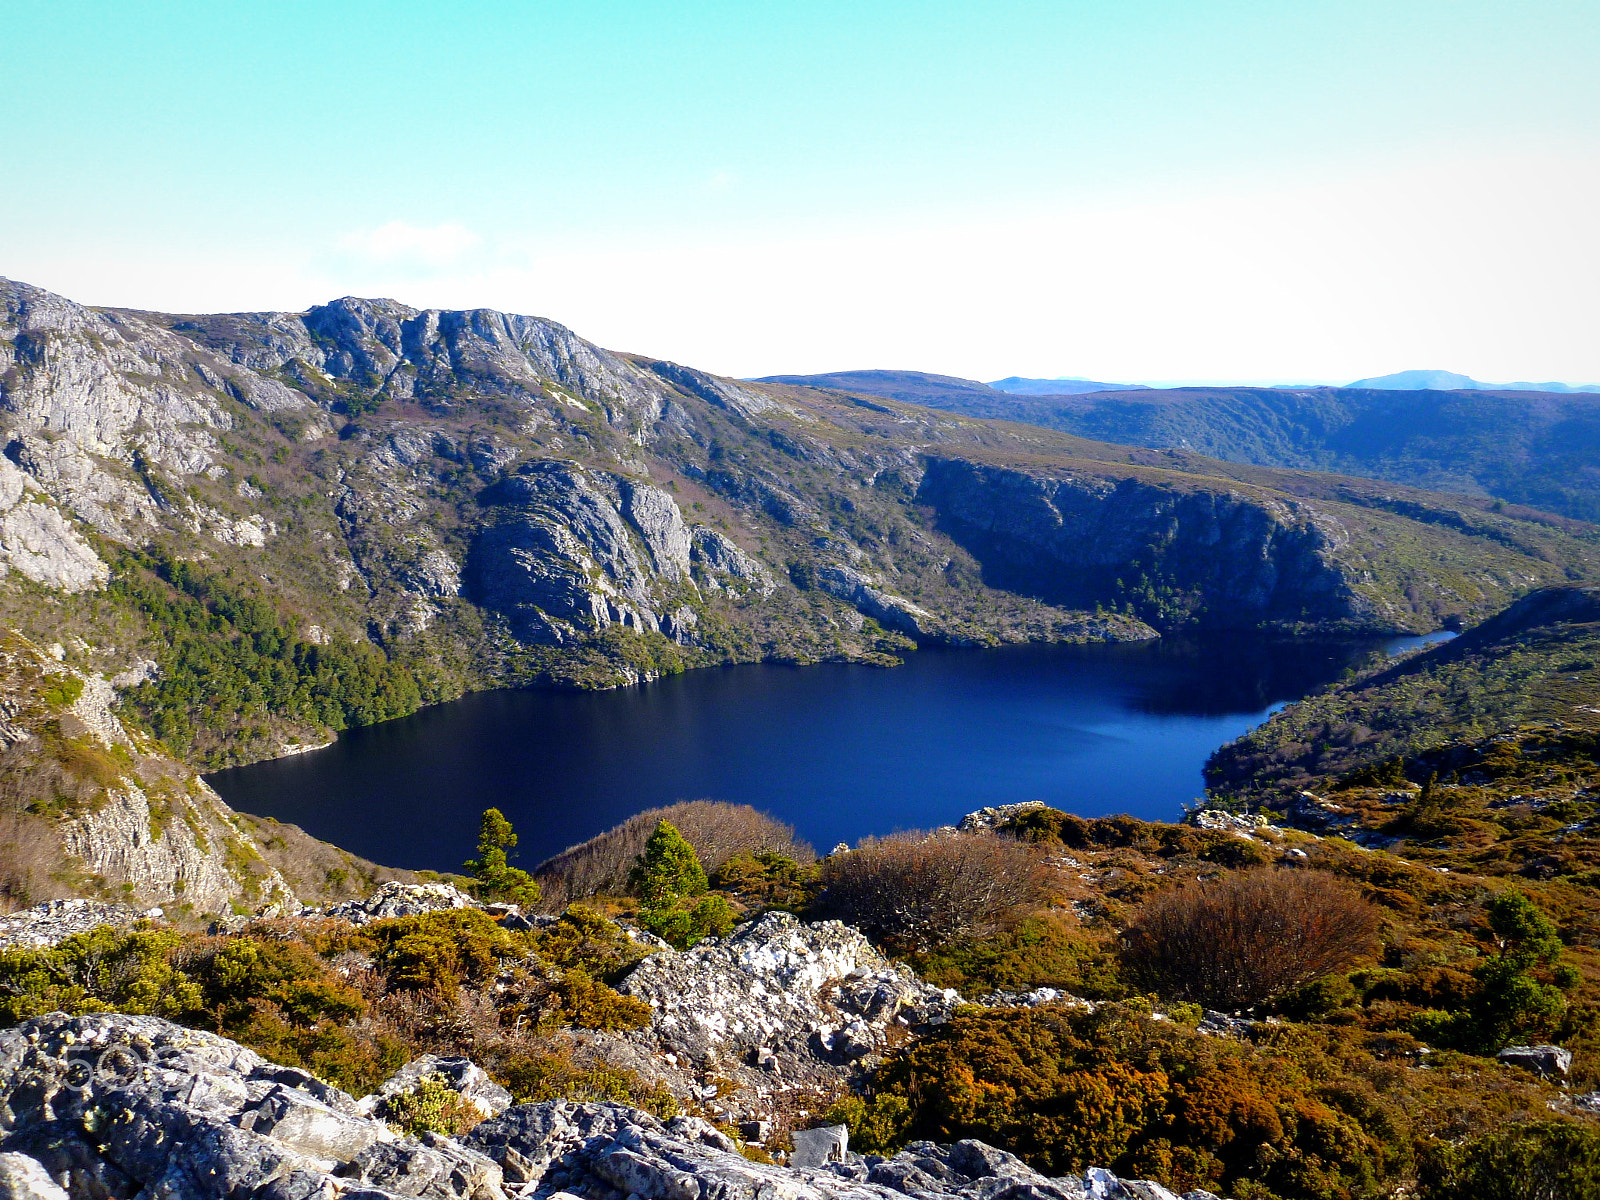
(1481, 264)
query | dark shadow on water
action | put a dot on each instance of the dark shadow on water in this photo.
(839, 751)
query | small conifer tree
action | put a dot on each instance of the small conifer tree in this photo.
(666, 878)
(668, 870)
(496, 878)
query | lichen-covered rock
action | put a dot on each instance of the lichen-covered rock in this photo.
(609, 1152)
(778, 1006)
(776, 981)
(113, 1105)
(54, 921)
(24, 1178)
(396, 899)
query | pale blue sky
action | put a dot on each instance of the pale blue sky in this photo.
(1122, 189)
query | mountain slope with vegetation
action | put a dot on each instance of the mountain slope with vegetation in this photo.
(1528, 448)
(273, 526)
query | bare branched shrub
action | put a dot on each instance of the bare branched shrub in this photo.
(717, 832)
(1241, 940)
(917, 890)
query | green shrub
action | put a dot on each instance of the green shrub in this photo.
(582, 1002)
(433, 1105)
(534, 1078)
(441, 951)
(102, 970)
(668, 878)
(584, 939)
(768, 879)
(1516, 995)
(667, 870)
(1047, 949)
(684, 924)
(1544, 1160)
(878, 1125)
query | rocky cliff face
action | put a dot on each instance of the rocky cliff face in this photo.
(92, 808)
(489, 499)
(1226, 557)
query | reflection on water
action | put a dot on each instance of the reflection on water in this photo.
(839, 751)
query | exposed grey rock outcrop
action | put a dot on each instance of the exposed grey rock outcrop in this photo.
(37, 542)
(608, 1152)
(119, 1106)
(114, 1105)
(719, 556)
(54, 921)
(890, 611)
(154, 826)
(395, 899)
(560, 560)
(777, 1006)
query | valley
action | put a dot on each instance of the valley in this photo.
(228, 539)
(1530, 448)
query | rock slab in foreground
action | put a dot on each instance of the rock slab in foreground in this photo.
(113, 1106)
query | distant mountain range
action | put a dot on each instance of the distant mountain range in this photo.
(1018, 385)
(1449, 381)
(1522, 443)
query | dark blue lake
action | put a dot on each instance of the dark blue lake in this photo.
(838, 751)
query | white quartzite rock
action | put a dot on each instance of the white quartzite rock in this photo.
(56, 920)
(24, 1178)
(395, 899)
(782, 995)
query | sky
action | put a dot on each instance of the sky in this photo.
(1128, 190)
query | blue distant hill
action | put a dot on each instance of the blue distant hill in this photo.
(1064, 385)
(1449, 381)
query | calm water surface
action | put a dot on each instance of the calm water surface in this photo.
(838, 751)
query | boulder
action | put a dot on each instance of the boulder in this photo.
(115, 1105)
(818, 1147)
(1548, 1062)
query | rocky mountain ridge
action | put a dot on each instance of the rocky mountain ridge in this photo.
(441, 501)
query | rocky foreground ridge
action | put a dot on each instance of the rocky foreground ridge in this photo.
(118, 1106)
